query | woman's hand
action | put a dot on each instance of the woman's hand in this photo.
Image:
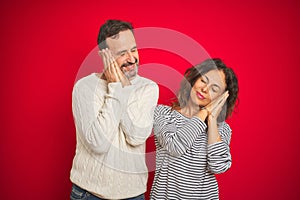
(214, 108)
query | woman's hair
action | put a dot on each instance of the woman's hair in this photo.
(192, 74)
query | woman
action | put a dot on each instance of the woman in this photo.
(192, 139)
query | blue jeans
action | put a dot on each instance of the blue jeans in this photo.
(80, 194)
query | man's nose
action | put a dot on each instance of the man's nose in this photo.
(130, 57)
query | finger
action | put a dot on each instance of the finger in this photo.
(118, 70)
(217, 109)
(100, 53)
(223, 100)
(113, 68)
(119, 74)
(107, 75)
(110, 61)
(220, 98)
(212, 105)
(115, 73)
(224, 97)
(106, 58)
(110, 58)
(109, 53)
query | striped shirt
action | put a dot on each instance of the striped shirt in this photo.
(185, 163)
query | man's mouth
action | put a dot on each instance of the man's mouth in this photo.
(127, 64)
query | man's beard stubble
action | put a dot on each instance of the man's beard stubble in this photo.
(132, 73)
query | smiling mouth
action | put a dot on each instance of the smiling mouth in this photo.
(129, 68)
(127, 65)
(130, 64)
(200, 96)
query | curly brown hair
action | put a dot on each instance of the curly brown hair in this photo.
(192, 74)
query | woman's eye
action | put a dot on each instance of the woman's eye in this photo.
(215, 89)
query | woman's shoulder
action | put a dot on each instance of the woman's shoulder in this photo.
(163, 110)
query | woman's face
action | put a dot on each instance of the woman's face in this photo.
(208, 87)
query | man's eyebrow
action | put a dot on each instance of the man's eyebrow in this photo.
(120, 52)
(124, 51)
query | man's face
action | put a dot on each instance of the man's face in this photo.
(123, 48)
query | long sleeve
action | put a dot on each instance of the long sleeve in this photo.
(175, 140)
(97, 110)
(218, 154)
(137, 119)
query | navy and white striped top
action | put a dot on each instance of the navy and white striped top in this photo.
(185, 163)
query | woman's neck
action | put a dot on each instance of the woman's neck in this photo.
(190, 109)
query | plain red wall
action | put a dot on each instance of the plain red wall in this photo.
(43, 44)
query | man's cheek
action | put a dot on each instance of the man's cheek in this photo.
(120, 61)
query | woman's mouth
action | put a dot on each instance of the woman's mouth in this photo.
(200, 96)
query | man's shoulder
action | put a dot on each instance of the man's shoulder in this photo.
(87, 80)
(87, 83)
(145, 81)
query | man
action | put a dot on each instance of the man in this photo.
(113, 114)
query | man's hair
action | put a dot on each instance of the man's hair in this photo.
(111, 28)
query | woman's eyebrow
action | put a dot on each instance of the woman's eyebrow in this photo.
(207, 79)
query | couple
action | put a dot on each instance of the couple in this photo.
(113, 113)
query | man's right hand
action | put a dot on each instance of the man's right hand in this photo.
(112, 71)
(110, 66)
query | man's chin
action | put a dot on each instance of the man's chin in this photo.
(131, 74)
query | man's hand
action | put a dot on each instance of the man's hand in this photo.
(110, 66)
(112, 71)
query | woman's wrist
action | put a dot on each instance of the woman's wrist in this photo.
(202, 114)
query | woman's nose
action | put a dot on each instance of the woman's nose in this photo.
(205, 88)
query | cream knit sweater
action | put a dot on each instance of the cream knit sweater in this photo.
(112, 125)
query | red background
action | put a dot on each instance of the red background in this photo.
(44, 43)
